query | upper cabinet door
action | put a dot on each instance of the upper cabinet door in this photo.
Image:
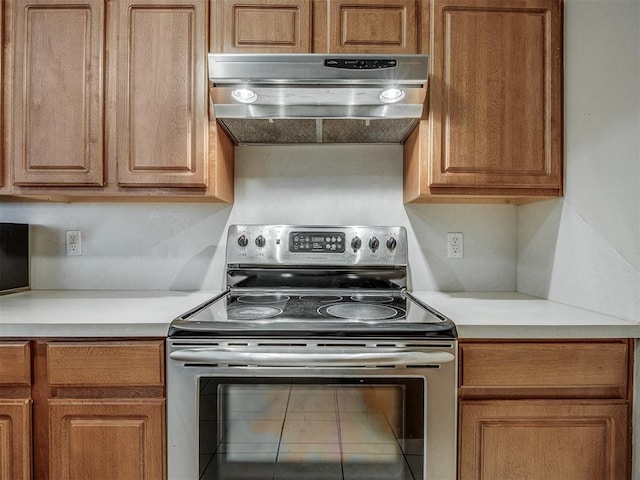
(161, 93)
(494, 124)
(261, 26)
(57, 69)
(496, 95)
(373, 26)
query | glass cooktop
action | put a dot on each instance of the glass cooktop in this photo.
(336, 313)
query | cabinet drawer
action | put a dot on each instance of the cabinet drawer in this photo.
(15, 363)
(544, 369)
(106, 363)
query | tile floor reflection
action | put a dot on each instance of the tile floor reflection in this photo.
(310, 432)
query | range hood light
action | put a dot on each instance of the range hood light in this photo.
(391, 95)
(244, 95)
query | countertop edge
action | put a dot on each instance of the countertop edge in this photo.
(477, 315)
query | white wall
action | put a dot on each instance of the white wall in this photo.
(584, 250)
(181, 246)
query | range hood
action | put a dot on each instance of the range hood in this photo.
(317, 98)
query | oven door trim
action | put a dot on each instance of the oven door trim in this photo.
(440, 383)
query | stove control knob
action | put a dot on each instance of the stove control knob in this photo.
(260, 241)
(243, 241)
(392, 244)
(374, 243)
(356, 243)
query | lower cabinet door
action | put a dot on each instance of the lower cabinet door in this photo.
(108, 439)
(15, 439)
(543, 440)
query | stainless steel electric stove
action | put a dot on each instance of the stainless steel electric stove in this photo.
(316, 362)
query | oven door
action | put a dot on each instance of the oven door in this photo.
(303, 410)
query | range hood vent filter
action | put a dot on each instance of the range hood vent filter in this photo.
(294, 131)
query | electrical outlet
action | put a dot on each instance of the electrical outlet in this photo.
(455, 245)
(74, 242)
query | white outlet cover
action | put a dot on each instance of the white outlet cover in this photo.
(455, 248)
(74, 242)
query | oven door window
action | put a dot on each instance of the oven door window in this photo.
(312, 428)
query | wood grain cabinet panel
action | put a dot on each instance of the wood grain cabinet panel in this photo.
(56, 97)
(373, 26)
(262, 26)
(109, 100)
(15, 363)
(15, 439)
(107, 439)
(161, 93)
(15, 410)
(544, 369)
(136, 363)
(99, 410)
(494, 125)
(543, 440)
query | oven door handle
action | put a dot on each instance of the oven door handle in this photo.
(309, 358)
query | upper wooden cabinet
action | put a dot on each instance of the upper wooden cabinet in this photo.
(161, 113)
(373, 26)
(261, 26)
(57, 104)
(109, 99)
(319, 26)
(494, 123)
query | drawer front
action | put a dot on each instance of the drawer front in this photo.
(544, 369)
(15, 363)
(106, 363)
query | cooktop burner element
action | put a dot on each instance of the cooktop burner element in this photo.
(362, 311)
(252, 313)
(261, 299)
(291, 281)
(371, 298)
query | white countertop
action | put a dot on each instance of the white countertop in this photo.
(107, 313)
(94, 313)
(515, 315)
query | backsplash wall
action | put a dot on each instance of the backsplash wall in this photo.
(181, 246)
(584, 250)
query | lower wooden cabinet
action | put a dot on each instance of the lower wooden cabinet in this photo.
(99, 410)
(545, 410)
(543, 440)
(15, 439)
(15, 410)
(114, 439)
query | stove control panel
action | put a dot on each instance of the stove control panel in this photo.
(316, 245)
(325, 242)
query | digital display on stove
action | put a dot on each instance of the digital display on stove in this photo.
(317, 242)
